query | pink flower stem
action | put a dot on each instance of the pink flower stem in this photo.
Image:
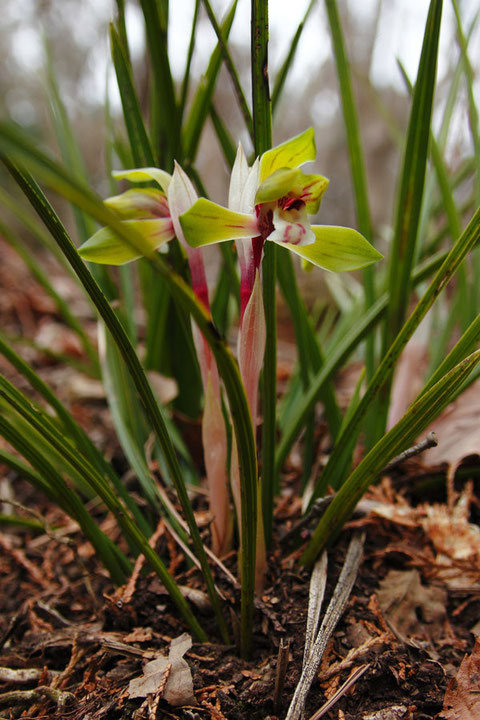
(214, 436)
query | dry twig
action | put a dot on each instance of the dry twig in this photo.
(333, 614)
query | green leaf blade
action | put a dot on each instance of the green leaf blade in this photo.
(417, 418)
(141, 149)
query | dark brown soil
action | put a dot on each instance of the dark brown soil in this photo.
(60, 614)
(92, 645)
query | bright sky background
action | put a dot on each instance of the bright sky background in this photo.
(399, 34)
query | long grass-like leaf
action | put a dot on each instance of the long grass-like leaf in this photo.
(72, 429)
(122, 26)
(465, 345)
(420, 414)
(457, 254)
(356, 159)
(410, 196)
(72, 157)
(472, 105)
(413, 176)
(473, 118)
(127, 291)
(188, 65)
(262, 125)
(310, 356)
(90, 203)
(200, 108)
(341, 351)
(287, 63)
(48, 479)
(66, 140)
(127, 413)
(230, 65)
(142, 152)
(130, 422)
(461, 302)
(167, 134)
(95, 480)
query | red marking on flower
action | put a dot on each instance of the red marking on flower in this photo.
(257, 245)
(161, 208)
(163, 230)
(264, 219)
(291, 203)
(300, 229)
(248, 274)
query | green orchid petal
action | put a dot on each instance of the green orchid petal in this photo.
(293, 183)
(145, 175)
(290, 154)
(107, 248)
(139, 203)
(336, 249)
(206, 223)
(277, 185)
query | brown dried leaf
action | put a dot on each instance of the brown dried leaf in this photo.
(178, 690)
(462, 698)
(458, 430)
(54, 336)
(408, 380)
(451, 532)
(165, 388)
(139, 634)
(403, 599)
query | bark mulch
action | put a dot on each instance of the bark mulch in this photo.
(79, 641)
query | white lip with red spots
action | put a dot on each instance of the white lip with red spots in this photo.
(292, 226)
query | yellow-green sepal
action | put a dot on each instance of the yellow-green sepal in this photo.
(307, 266)
(290, 154)
(145, 175)
(108, 248)
(206, 223)
(337, 249)
(139, 203)
(313, 189)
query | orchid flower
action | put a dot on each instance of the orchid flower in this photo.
(284, 197)
(154, 213)
(142, 209)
